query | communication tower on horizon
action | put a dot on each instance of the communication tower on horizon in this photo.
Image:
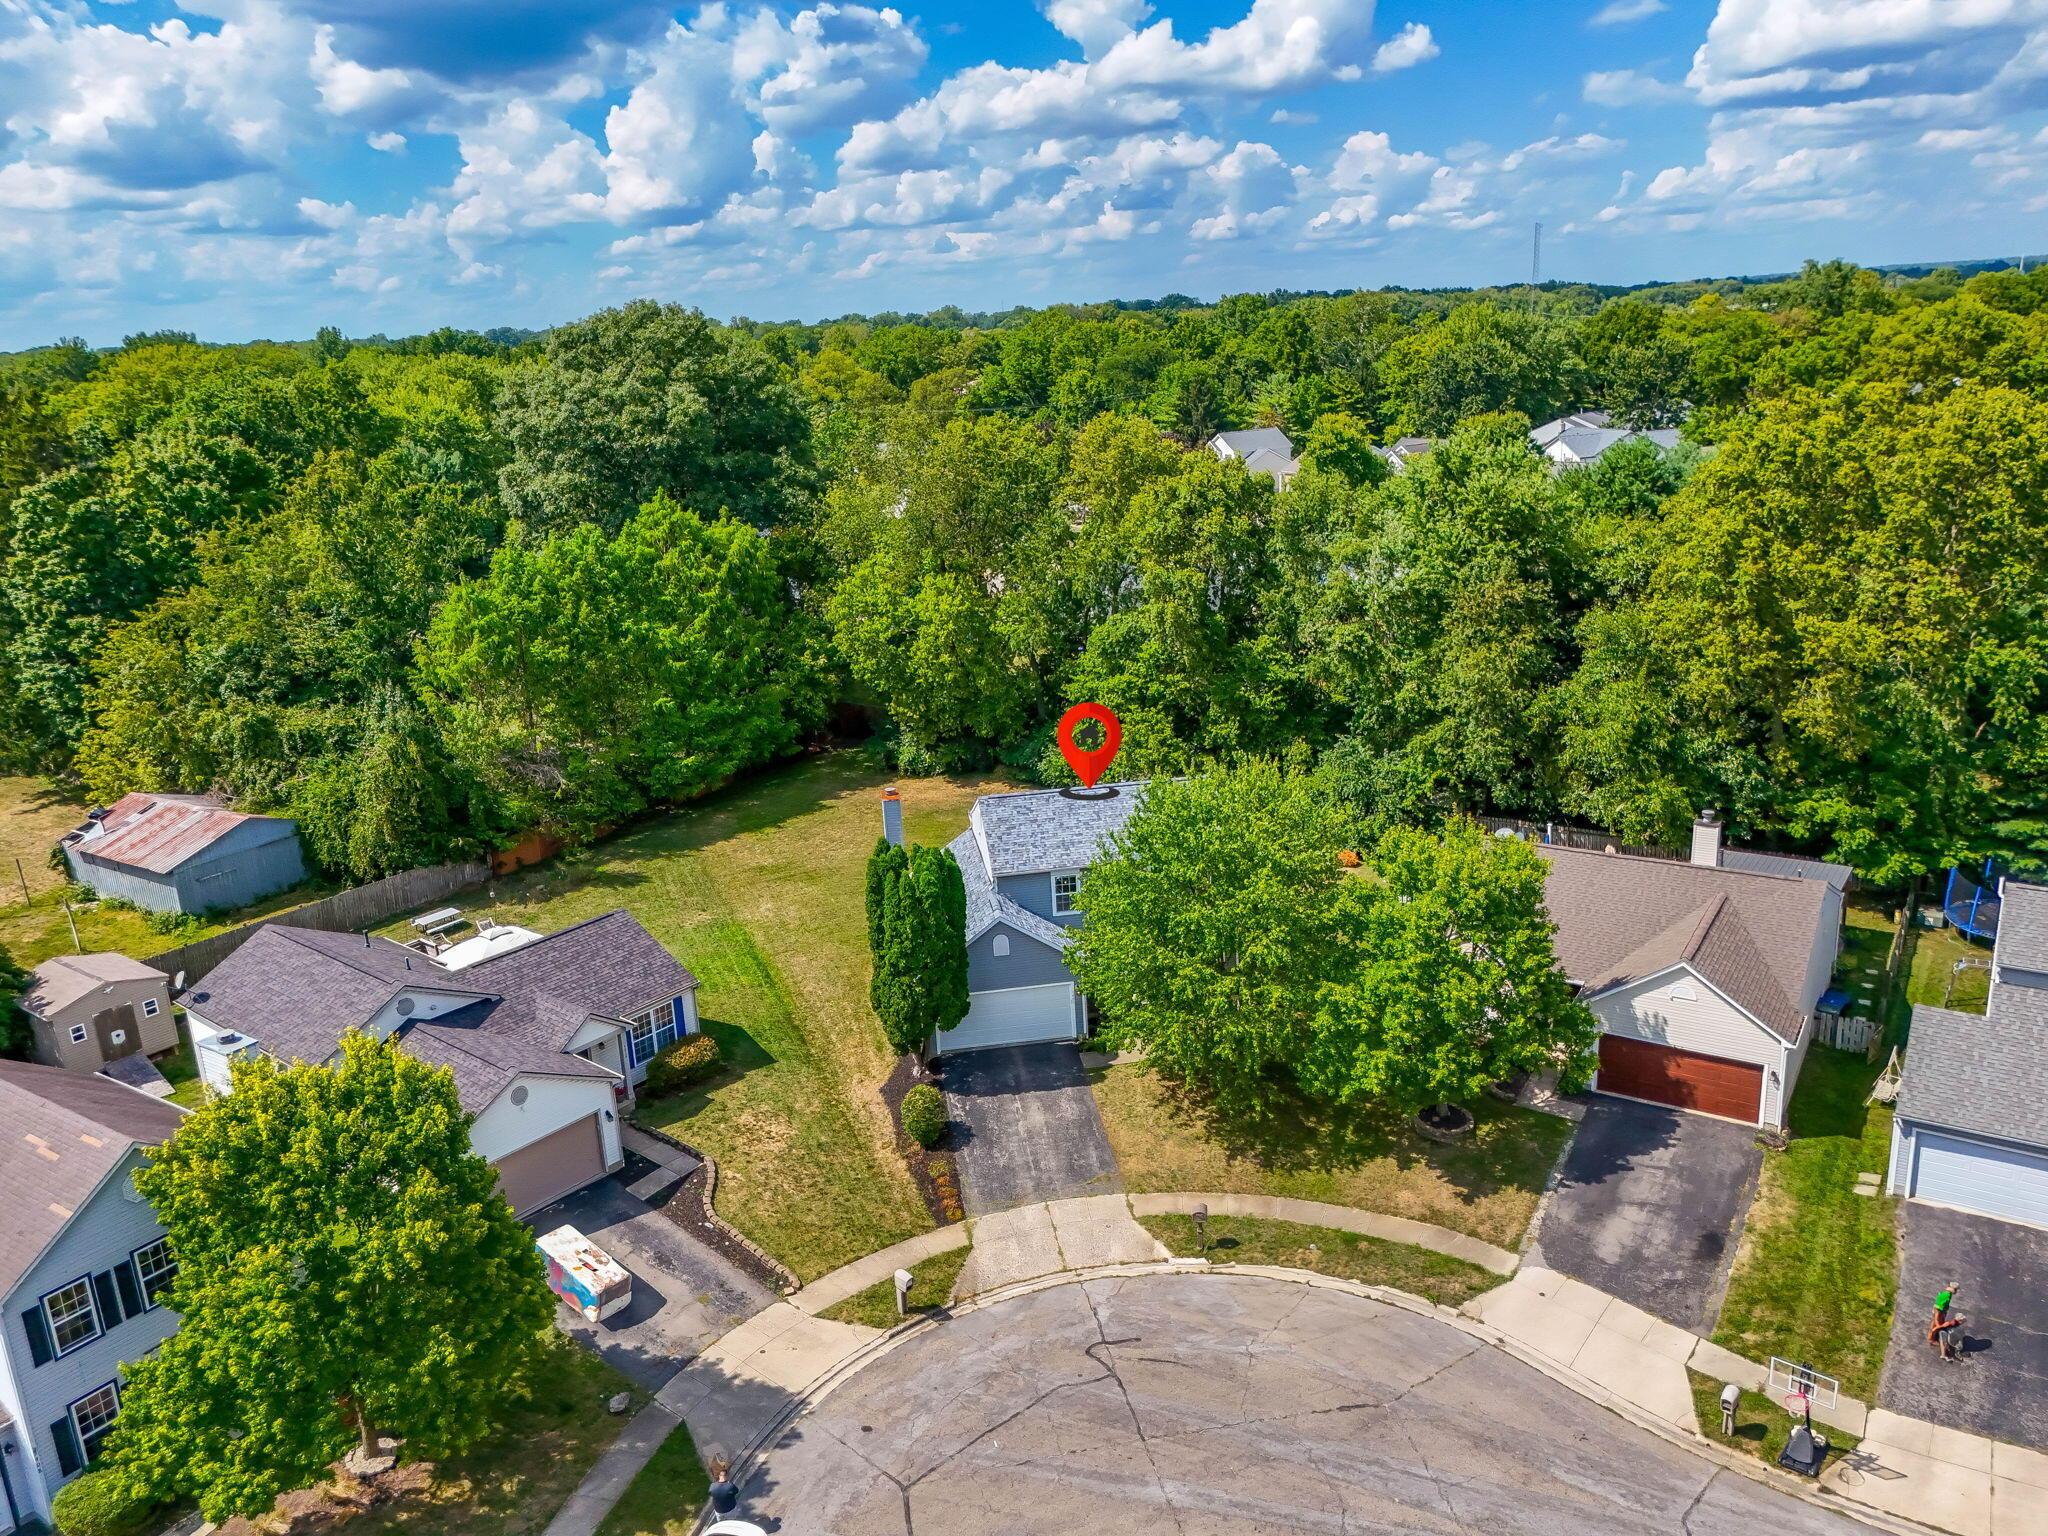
(1536, 256)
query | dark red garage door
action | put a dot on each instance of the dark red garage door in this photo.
(1682, 1079)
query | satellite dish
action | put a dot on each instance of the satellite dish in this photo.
(178, 982)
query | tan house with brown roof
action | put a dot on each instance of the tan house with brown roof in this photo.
(88, 1010)
(1704, 977)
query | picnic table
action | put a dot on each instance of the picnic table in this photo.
(440, 920)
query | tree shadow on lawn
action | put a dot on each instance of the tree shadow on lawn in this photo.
(1288, 1133)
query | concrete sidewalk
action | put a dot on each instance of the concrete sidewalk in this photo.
(747, 1384)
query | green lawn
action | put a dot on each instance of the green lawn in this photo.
(181, 1071)
(667, 1496)
(759, 891)
(1815, 1275)
(1761, 1425)
(1420, 1272)
(1486, 1185)
(931, 1287)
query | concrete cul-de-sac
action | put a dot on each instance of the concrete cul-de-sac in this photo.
(1207, 1403)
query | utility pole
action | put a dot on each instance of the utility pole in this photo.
(76, 947)
(1536, 256)
(22, 875)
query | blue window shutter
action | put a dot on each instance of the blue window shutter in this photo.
(682, 1019)
(70, 1454)
(42, 1349)
(108, 1298)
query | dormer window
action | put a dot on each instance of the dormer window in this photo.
(1066, 892)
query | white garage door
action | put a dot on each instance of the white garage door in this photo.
(1013, 1016)
(1982, 1177)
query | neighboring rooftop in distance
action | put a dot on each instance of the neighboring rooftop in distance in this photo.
(59, 982)
(1242, 445)
(1047, 829)
(1583, 436)
(65, 1132)
(1621, 917)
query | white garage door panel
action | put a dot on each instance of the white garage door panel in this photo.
(1979, 1176)
(1014, 1016)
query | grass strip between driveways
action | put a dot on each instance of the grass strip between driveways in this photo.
(666, 1496)
(1816, 1275)
(1420, 1272)
(1485, 1185)
(931, 1287)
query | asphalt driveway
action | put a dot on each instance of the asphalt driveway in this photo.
(684, 1295)
(1212, 1404)
(1025, 1127)
(1650, 1206)
(2000, 1386)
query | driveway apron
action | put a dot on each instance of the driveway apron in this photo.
(1025, 1128)
(1650, 1207)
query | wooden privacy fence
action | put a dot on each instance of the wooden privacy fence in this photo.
(361, 906)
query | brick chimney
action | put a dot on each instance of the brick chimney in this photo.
(1706, 840)
(892, 816)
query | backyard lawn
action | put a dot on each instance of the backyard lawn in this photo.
(1486, 1186)
(759, 892)
(1420, 1272)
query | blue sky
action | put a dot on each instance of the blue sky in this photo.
(252, 168)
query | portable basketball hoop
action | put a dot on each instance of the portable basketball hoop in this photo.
(1796, 1386)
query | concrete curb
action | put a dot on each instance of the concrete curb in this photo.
(1344, 1218)
(1746, 1466)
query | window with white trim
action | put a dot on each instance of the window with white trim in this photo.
(78, 1034)
(1066, 892)
(652, 1032)
(93, 1415)
(155, 1268)
(149, 1008)
(74, 1320)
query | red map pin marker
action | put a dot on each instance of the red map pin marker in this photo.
(1089, 766)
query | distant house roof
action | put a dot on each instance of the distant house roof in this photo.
(1981, 1073)
(1046, 829)
(157, 833)
(1401, 450)
(65, 1132)
(1583, 436)
(297, 991)
(60, 982)
(1244, 444)
(1752, 861)
(1620, 918)
(2022, 927)
(1273, 462)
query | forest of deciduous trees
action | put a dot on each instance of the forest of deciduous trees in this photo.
(424, 595)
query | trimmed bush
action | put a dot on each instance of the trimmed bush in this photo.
(690, 1060)
(924, 1115)
(100, 1504)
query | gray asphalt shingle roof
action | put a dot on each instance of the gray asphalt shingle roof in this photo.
(986, 905)
(297, 991)
(66, 1131)
(1982, 1073)
(2023, 926)
(1245, 444)
(1040, 829)
(1620, 918)
(57, 983)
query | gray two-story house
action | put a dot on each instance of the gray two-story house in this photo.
(1023, 858)
(83, 1265)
